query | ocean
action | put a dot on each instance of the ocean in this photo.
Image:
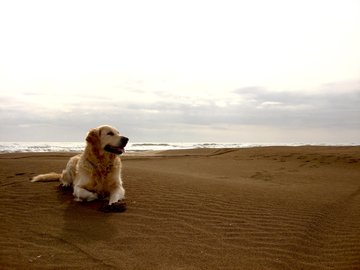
(16, 147)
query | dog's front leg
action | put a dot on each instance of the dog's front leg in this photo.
(82, 194)
(117, 195)
(116, 201)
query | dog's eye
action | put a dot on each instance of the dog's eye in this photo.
(110, 133)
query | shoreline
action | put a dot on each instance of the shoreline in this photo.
(280, 207)
(146, 152)
(75, 147)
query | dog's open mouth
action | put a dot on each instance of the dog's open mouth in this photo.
(114, 149)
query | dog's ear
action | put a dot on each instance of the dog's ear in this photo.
(93, 136)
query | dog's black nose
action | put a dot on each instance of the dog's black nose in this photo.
(124, 140)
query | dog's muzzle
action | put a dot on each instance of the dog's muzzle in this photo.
(120, 149)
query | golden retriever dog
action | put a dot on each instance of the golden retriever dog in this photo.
(96, 173)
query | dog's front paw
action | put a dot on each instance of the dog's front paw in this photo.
(119, 206)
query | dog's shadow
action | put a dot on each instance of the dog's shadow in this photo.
(83, 221)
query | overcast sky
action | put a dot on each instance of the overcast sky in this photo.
(218, 71)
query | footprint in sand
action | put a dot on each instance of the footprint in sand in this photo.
(264, 175)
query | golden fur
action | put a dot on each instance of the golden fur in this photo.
(96, 173)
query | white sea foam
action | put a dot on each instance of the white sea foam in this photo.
(16, 147)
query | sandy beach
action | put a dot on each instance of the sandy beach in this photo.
(254, 208)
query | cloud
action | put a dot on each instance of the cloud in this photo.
(335, 106)
(332, 110)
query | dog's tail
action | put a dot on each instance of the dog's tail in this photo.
(48, 177)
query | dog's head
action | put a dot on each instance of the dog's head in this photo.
(108, 139)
